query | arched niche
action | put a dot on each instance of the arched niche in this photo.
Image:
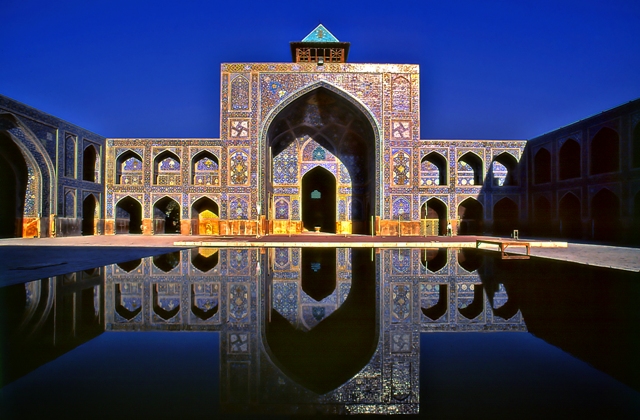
(205, 169)
(433, 214)
(128, 216)
(470, 169)
(570, 215)
(505, 216)
(90, 164)
(569, 160)
(604, 153)
(471, 216)
(205, 215)
(89, 213)
(605, 216)
(504, 170)
(129, 168)
(166, 216)
(542, 167)
(343, 127)
(433, 168)
(166, 169)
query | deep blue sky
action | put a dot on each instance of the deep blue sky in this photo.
(489, 69)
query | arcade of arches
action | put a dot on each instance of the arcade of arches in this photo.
(333, 147)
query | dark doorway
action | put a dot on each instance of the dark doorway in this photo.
(542, 167)
(605, 155)
(204, 217)
(128, 216)
(13, 178)
(166, 216)
(570, 217)
(541, 217)
(88, 215)
(318, 272)
(569, 160)
(434, 218)
(319, 200)
(605, 212)
(471, 218)
(434, 259)
(505, 217)
(89, 164)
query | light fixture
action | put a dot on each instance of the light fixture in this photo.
(321, 61)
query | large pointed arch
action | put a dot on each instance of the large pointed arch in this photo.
(40, 183)
(371, 205)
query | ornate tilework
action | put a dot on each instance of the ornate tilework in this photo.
(239, 93)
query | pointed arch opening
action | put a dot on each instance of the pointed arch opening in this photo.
(542, 167)
(437, 308)
(605, 213)
(319, 200)
(166, 169)
(635, 147)
(470, 214)
(433, 168)
(128, 216)
(339, 125)
(434, 260)
(433, 215)
(166, 216)
(129, 169)
(470, 169)
(504, 170)
(541, 216)
(90, 164)
(605, 151)
(505, 217)
(569, 160)
(205, 214)
(570, 217)
(205, 169)
(13, 178)
(89, 210)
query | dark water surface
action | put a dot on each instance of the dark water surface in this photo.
(209, 333)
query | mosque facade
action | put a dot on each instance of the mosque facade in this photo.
(319, 144)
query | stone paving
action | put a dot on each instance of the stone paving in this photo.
(24, 259)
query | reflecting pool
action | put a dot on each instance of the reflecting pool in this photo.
(440, 333)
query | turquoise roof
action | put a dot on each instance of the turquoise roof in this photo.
(320, 34)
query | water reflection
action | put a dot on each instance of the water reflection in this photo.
(308, 331)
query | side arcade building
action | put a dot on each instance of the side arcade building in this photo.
(319, 144)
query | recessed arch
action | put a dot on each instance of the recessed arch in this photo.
(319, 200)
(504, 170)
(166, 168)
(204, 259)
(505, 216)
(605, 215)
(433, 168)
(205, 215)
(434, 260)
(433, 214)
(13, 178)
(470, 214)
(89, 210)
(437, 310)
(604, 152)
(41, 173)
(355, 144)
(570, 214)
(541, 216)
(635, 147)
(167, 262)
(90, 164)
(129, 168)
(204, 168)
(542, 167)
(470, 169)
(352, 331)
(166, 216)
(569, 160)
(471, 309)
(128, 216)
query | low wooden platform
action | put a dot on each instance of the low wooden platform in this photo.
(504, 244)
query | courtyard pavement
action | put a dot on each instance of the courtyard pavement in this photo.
(24, 259)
